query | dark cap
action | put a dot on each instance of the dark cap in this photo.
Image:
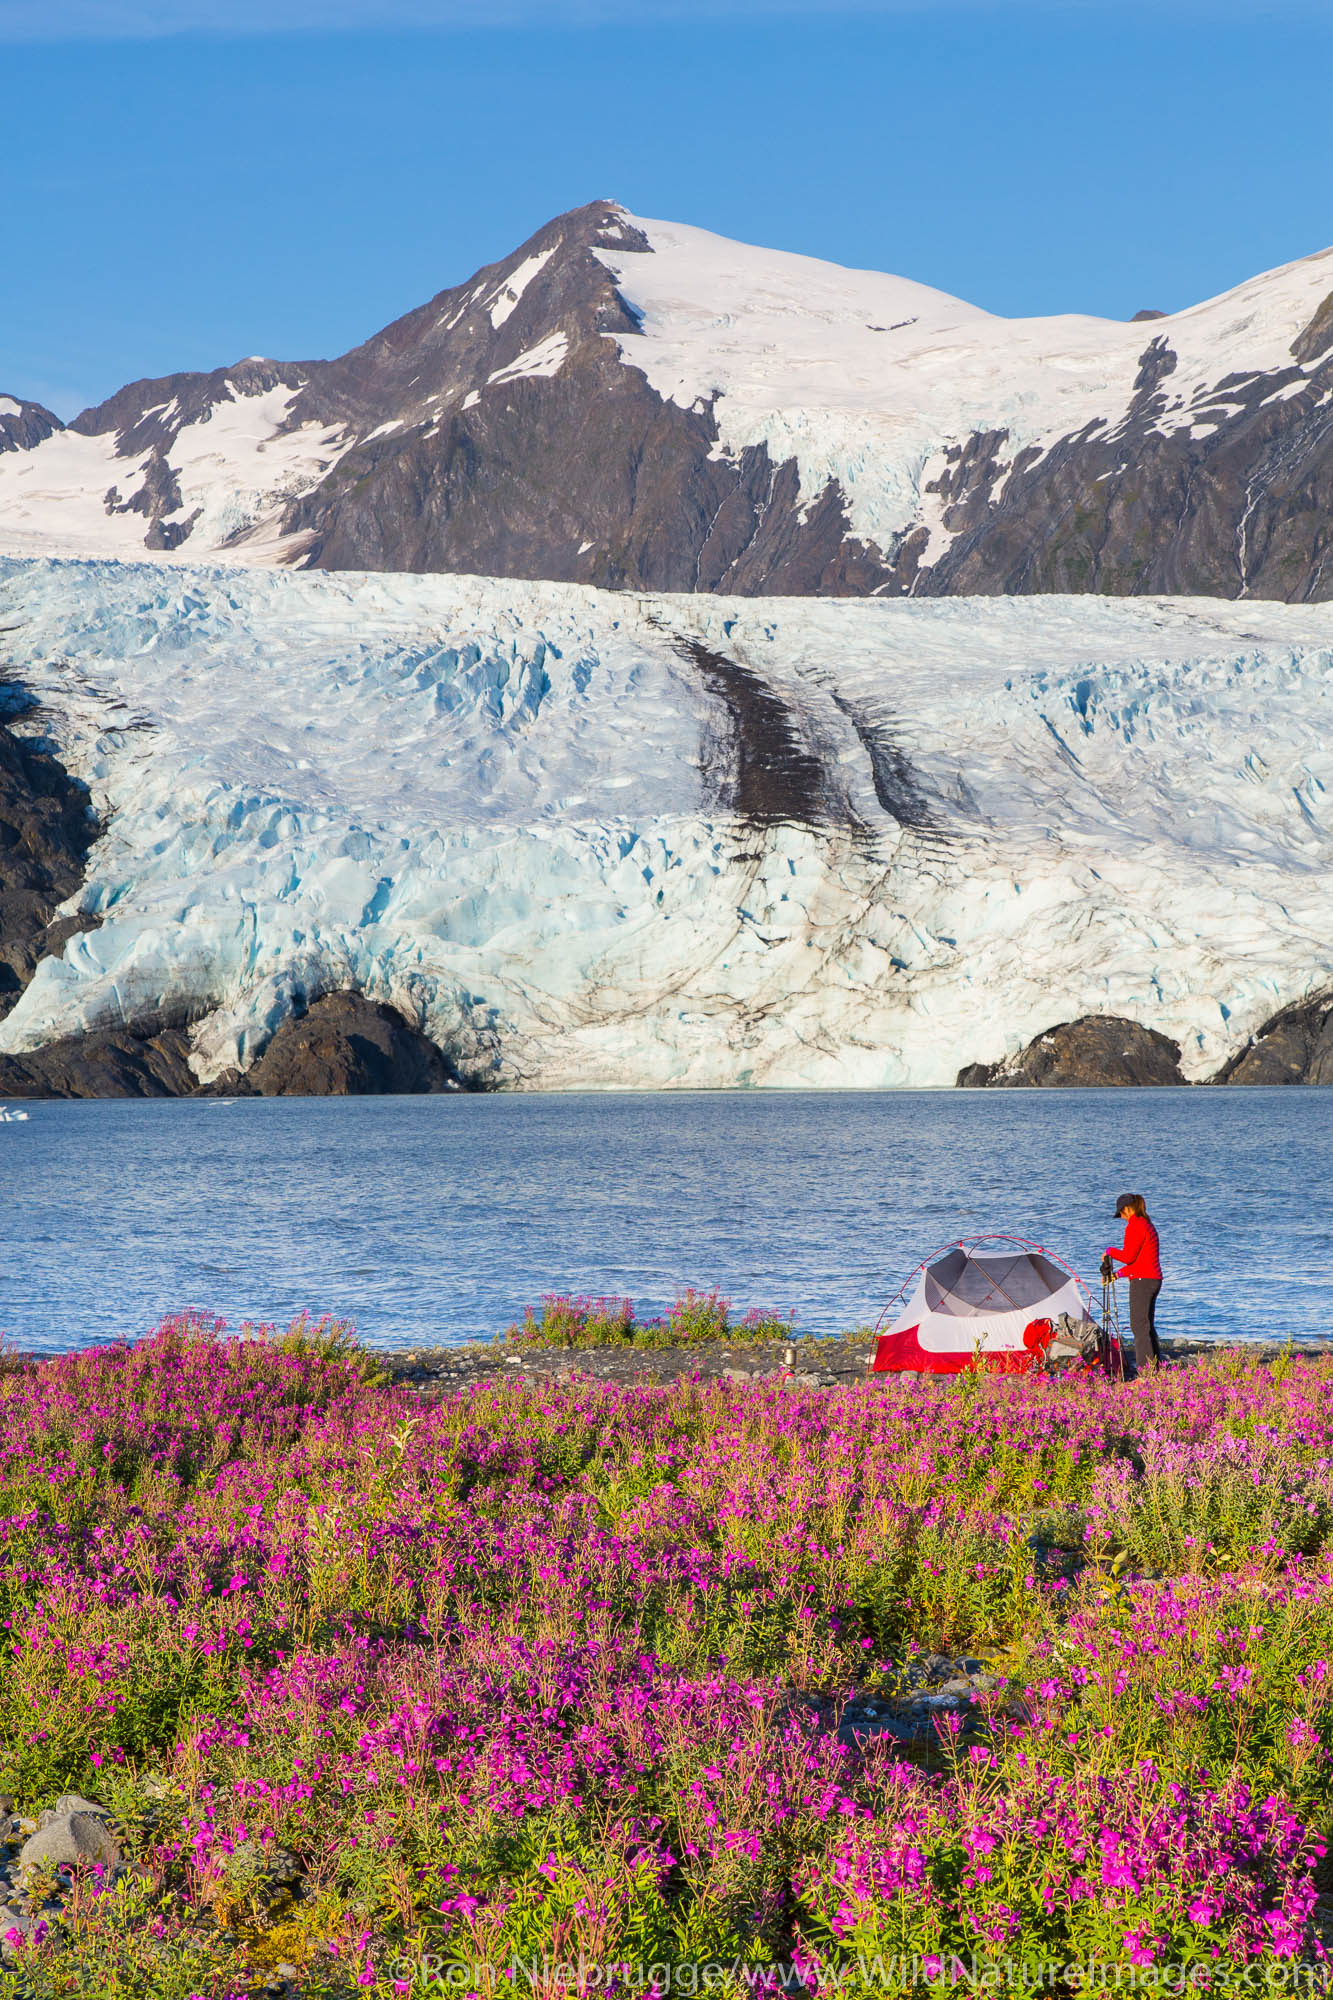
(1123, 1201)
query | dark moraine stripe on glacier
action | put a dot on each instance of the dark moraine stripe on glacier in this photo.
(765, 773)
(896, 785)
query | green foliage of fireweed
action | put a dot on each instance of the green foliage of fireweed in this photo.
(695, 1318)
(546, 1677)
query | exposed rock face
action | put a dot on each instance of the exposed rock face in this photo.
(149, 415)
(24, 425)
(147, 419)
(1238, 504)
(345, 1046)
(125, 1062)
(46, 829)
(1295, 1046)
(1090, 1053)
(505, 436)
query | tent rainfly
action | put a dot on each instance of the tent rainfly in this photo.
(971, 1304)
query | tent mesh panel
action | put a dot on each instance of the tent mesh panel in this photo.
(966, 1284)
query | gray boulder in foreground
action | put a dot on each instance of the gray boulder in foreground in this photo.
(1092, 1052)
(75, 1840)
(68, 1803)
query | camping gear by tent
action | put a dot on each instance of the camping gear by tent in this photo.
(991, 1302)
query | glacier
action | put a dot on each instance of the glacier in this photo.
(611, 840)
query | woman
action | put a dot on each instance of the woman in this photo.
(1138, 1255)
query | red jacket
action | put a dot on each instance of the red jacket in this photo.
(1139, 1252)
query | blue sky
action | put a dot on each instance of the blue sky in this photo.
(175, 196)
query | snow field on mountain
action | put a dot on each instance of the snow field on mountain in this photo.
(865, 378)
(506, 808)
(236, 471)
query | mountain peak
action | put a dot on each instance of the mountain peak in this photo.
(646, 405)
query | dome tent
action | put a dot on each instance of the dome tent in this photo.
(973, 1303)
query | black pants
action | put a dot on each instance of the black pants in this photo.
(1143, 1321)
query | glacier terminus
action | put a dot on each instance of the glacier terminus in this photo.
(620, 839)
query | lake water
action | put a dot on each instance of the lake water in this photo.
(432, 1220)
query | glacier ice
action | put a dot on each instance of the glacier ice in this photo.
(511, 810)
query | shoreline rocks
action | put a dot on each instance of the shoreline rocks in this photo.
(1100, 1051)
(815, 1361)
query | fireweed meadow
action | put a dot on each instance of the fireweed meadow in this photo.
(547, 1677)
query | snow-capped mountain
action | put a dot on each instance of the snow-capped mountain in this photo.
(644, 406)
(597, 839)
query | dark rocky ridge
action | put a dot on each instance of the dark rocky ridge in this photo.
(148, 416)
(28, 425)
(1294, 1046)
(46, 828)
(1130, 510)
(1090, 1053)
(582, 475)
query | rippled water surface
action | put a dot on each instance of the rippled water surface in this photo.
(430, 1220)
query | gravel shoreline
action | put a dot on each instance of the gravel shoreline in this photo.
(817, 1361)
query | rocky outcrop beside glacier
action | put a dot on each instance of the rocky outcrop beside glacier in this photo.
(342, 1046)
(1093, 1052)
(347, 1046)
(1295, 1046)
(575, 839)
(46, 829)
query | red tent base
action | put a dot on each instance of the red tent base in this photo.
(896, 1352)
(902, 1353)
